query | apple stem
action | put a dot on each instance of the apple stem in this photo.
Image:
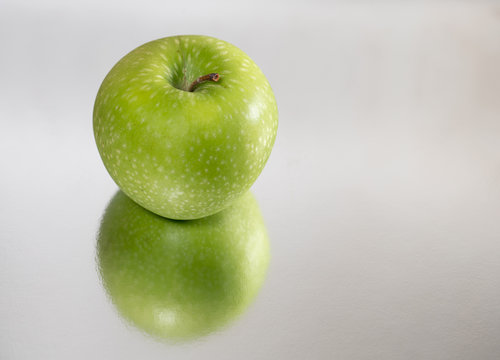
(208, 77)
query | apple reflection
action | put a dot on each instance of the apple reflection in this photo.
(179, 280)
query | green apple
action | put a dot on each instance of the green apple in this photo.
(185, 125)
(182, 279)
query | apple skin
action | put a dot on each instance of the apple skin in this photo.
(181, 154)
(179, 280)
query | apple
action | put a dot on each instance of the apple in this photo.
(180, 280)
(185, 125)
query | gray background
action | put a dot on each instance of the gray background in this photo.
(381, 196)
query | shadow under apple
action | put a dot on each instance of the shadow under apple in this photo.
(179, 280)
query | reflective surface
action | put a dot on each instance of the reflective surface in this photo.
(180, 280)
(381, 195)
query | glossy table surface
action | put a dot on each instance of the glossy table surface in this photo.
(381, 197)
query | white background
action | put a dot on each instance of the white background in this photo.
(381, 196)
